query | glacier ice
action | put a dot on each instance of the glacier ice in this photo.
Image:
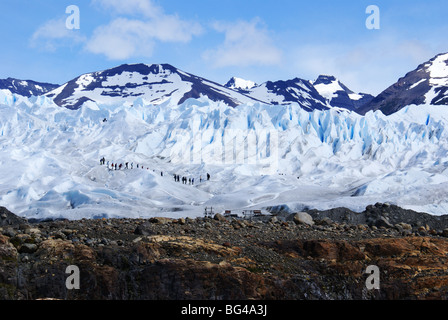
(258, 156)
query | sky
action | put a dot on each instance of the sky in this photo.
(258, 40)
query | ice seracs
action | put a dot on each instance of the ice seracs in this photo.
(322, 158)
(281, 144)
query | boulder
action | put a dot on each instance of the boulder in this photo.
(144, 230)
(161, 220)
(303, 218)
(219, 217)
(28, 248)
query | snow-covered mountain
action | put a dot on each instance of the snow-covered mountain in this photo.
(155, 84)
(286, 92)
(428, 84)
(26, 88)
(338, 95)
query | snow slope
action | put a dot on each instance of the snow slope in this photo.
(258, 156)
(290, 91)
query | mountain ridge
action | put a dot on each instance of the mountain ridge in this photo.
(158, 83)
(427, 84)
(155, 83)
(26, 88)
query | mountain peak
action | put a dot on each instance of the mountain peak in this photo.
(236, 83)
(325, 79)
(338, 95)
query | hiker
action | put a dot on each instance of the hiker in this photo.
(127, 165)
(192, 181)
(208, 177)
(132, 165)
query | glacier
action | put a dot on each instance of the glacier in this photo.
(259, 156)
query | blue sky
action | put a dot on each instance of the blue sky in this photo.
(258, 40)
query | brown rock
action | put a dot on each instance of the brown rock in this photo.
(7, 250)
(219, 217)
(161, 220)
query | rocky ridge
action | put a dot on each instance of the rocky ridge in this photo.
(308, 256)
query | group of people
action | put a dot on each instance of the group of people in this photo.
(185, 180)
(189, 181)
(127, 165)
(121, 166)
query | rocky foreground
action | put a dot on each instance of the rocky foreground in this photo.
(307, 256)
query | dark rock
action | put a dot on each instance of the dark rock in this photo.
(445, 232)
(144, 229)
(7, 218)
(28, 248)
(205, 259)
(9, 232)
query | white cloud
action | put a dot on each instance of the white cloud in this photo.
(246, 43)
(54, 34)
(121, 39)
(124, 38)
